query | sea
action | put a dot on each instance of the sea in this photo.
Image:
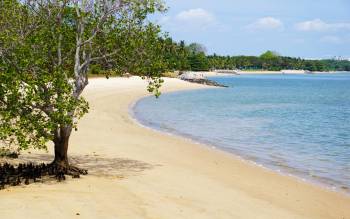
(297, 125)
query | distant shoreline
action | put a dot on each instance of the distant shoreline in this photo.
(245, 72)
(296, 72)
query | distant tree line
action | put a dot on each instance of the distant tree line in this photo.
(174, 56)
(178, 56)
(193, 57)
(273, 62)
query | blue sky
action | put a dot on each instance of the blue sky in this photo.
(300, 28)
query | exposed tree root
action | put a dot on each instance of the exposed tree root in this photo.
(72, 170)
(29, 173)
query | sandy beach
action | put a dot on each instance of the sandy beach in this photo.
(135, 172)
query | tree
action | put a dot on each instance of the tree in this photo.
(270, 60)
(183, 53)
(197, 48)
(198, 62)
(46, 49)
(269, 55)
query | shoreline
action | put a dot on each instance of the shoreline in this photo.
(213, 74)
(309, 180)
(140, 173)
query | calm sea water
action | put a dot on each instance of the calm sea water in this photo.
(296, 124)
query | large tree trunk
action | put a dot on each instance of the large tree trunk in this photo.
(61, 164)
(61, 147)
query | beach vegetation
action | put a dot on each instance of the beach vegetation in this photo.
(47, 49)
(193, 57)
(272, 61)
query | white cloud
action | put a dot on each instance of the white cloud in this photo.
(319, 25)
(192, 20)
(314, 25)
(266, 23)
(197, 16)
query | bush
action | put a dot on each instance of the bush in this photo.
(95, 69)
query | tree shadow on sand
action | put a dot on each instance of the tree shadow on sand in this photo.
(98, 165)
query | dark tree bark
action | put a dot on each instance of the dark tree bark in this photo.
(61, 162)
(61, 142)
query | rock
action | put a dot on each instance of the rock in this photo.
(203, 81)
(126, 75)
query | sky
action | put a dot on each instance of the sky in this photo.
(298, 28)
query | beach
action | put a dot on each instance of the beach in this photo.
(135, 172)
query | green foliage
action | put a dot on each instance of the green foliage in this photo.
(269, 55)
(198, 62)
(46, 49)
(176, 54)
(179, 56)
(274, 62)
(35, 92)
(95, 69)
(154, 85)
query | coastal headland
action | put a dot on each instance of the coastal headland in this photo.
(136, 172)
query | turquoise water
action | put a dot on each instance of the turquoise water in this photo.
(296, 124)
